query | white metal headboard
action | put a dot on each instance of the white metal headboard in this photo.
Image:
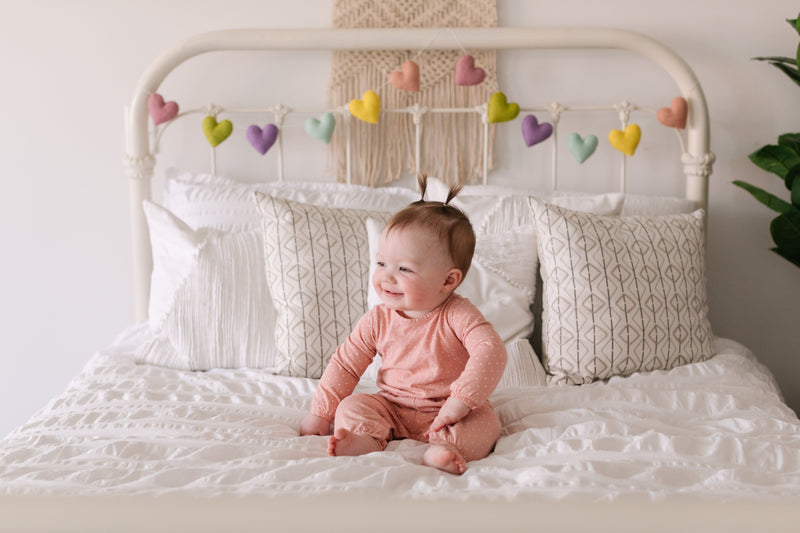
(697, 158)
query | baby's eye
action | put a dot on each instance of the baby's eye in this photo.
(380, 263)
(405, 269)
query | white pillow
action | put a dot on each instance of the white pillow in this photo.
(317, 264)
(493, 209)
(209, 303)
(203, 200)
(621, 294)
(187, 259)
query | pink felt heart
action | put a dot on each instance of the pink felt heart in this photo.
(262, 140)
(466, 71)
(533, 132)
(675, 116)
(161, 111)
(408, 79)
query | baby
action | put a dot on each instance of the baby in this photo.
(441, 359)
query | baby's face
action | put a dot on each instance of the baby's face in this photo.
(413, 273)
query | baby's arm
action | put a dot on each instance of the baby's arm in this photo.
(340, 377)
(487, 358)
(451, 412)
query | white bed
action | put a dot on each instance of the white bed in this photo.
(189, 421)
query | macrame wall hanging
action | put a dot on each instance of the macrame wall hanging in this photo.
(450, 142)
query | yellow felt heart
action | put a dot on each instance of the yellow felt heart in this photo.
(368, 108)
(628, 141)
(216, 132)
(500, 110)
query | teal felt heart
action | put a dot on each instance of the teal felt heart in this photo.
(581, 148)
(322, 128)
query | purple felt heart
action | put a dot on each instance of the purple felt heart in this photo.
(262, 140)
(533, 132)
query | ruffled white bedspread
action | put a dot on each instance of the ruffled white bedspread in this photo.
(716, 429)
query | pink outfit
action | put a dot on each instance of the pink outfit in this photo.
(452, 350)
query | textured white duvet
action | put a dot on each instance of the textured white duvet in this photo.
(716, 429)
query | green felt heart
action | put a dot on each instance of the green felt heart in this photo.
(216, 132)
(500, 110)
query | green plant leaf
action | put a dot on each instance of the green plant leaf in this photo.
(791, 176)
(781, 253)
(794, 23)
(790, 140)
(766, 198)
(776, 159)
(785, 230)
(795, 197)
(789, 70)
(775, 59)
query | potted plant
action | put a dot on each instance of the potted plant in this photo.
(783, 160)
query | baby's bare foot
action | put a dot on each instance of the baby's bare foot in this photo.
(444, 458)
(345, 442)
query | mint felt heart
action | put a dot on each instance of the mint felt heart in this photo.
(216, 132)
(161, 111)
(533, 132)
(262, 140)
(500, 110)
(581, 148)
(322, 128)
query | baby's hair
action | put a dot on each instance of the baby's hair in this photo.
(448, 222)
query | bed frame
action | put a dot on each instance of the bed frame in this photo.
(179, 513)
(140, 159)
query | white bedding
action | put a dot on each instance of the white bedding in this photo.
(716, 429)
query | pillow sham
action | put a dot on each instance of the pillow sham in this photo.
(209, 304)
(621, 294)
(317, 264)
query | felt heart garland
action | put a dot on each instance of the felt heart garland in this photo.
(675, 115)
(627, 141)
(321, 128)
(368, 108)
(407, 79)
(581, 148)
(500, 110)
(467, 73)
(262, 139)
(533, 132)
(216, 132)
(161, 111)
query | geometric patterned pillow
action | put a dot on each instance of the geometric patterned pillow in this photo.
(621, 294)
(317, 263)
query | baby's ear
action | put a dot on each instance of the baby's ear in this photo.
(453, 279)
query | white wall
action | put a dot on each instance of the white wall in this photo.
(69, 67)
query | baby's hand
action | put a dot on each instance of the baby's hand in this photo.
(314, 425)
(451, 412)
